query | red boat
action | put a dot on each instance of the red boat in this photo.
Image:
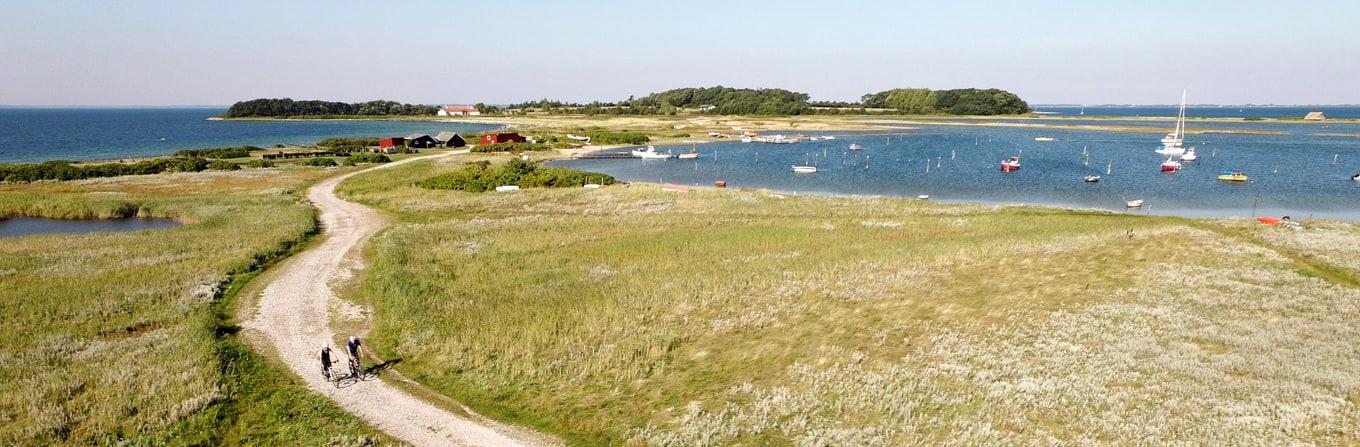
(1011, 165)
(1171, 166)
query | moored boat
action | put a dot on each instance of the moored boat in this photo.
(1189, 155)
(1171, 165)
(692, 154)
(803, 169)
(1043, 139)
(1134, 203)
(1232, 176)
(1013, 164)
(856, 146)
(1092, 178)
(651, 154)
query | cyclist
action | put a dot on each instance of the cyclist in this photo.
(326, 360)
(355, 347)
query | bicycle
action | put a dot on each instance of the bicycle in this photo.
(330, 375)
(355, 369)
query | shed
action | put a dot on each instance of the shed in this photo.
(391, 143)
(458, 110)
(450, 139)
(421, 141)
(509, 137)
(1315, 116)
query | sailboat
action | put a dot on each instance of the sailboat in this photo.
(1013, 164)
(1171, 143)
(1171, 165)
(805, 168)
(692, 154)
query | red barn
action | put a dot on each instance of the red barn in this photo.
(391, 143)
(511, 137)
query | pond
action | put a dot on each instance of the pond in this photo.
(26, 226)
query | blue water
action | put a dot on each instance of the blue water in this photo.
(25, 226)
(1307, 184)
(33, 135)
(1205, 111)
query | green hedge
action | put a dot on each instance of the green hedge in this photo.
(366, 157)
(223, 165)
(481, 176)
(65, 170)
(219, 152)
(509, 147)
(320, 161)
(617, 137)
(348, 141)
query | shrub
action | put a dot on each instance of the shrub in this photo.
(257, 164)
(509, 147)
(480, 177)
(366, 157)
(219, 152)
(320, 161)
(223, 165)
(617, 137)
(348, 141)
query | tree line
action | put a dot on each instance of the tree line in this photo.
(284, 107)
(963, 101)
(772, 101)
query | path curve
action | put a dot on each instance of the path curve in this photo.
(293, 315)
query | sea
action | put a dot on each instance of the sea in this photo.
(40, 134)
(1304, 171)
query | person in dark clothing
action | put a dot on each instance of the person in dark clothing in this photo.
(326, 361)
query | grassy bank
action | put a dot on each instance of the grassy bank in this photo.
(732, 317)
(128, 338)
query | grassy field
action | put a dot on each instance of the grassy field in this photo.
(128, 338)
(630, 316)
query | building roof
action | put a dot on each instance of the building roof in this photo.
(416, 136)
(445, 135)
(459, 109)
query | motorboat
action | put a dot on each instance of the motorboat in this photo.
(1171, 165)
(1043, 139)
(1092, 178)
(856, 146)
(803, 169)
(923, 197)
(1134, 203)
(745, 139)
(650, 153)
(1356, 177)
(692, 154)
(1013, 164)
(1232, 176)
(1189, 155)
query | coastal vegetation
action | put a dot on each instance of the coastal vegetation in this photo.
(617, 137)
(631, 316)
(130, 338)
(966, 101)
(67, 170)
(219, 152)
(286, 107)
(366, 157)
(481, 176)
(509, 147)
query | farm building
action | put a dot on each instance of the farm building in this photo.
(450, 139)
(457, 111)
(510, 137)
(1315, 116)
(421, 141)
(391, 143)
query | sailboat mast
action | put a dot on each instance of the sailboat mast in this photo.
(1180, 118)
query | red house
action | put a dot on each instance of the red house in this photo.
(493, 138)
(391, 143)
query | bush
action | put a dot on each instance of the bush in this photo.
(223, 165)
(509, 147)
(480, 177)
(66, 170)
(366, 157)
(219, 152)
(257, 164)
(348, 141)
(617, 137)
(320, 161)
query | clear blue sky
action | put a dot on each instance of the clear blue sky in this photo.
(175, 52)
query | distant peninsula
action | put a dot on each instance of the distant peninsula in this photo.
(717, 100)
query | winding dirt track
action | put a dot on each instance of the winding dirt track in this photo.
(293, 315)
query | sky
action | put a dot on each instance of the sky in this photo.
(105, 53)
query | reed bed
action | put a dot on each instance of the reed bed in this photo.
(122, 338)
(631, 316)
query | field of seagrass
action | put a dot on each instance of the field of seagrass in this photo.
(631, 316)
(127, 338)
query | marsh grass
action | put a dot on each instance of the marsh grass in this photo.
(736, 317)
(122, 338)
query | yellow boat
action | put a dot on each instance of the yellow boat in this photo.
(1233, 176)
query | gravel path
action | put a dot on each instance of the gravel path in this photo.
(293, 316)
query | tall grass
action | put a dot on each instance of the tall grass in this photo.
(633, 316)
(120, 338)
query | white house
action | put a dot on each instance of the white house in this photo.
(458, 110)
